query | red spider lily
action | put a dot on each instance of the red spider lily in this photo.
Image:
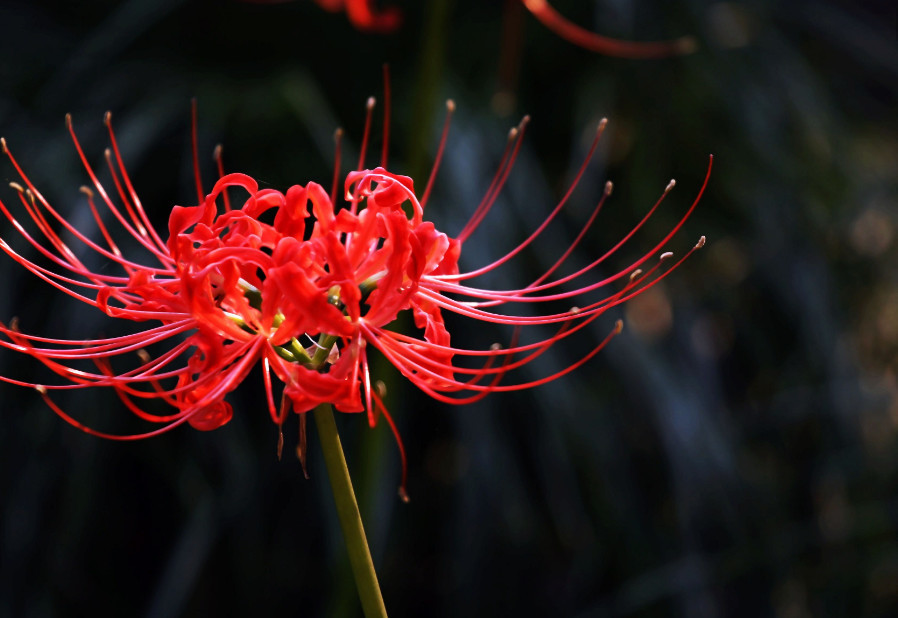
(365, 17)
(305, 289)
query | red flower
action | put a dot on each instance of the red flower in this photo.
(302, 286)
(366, 18)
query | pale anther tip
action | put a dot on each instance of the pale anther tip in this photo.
(86, 190)
(371, 103)
(602, 123)
(512, 133)
(41, 389)
(618, 327)
(107, 118)
(670, 185)
(609, 187)
(216, 152)
(143, 355)
(381, 388)
(68, 121)
(17, 187)
(450, 105)
(525, 120)
(700, 243)
(403, 495)
(574, 310)
(3, 145)
(495, 347)
(635, 274)
(338, 133)
(666, 255)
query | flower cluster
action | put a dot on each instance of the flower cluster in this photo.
(301, 284)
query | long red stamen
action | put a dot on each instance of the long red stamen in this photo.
(338, 144)
(369, 108)
(403, 483)
(450, 109)
(138, 206)
(581, 37)
(194, 148)
(539, 230)
(219, 166)
(386, 143)
(513, 145)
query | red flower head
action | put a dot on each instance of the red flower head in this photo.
(365, 17)
(302, 286)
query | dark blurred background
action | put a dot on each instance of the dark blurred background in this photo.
(733, 453)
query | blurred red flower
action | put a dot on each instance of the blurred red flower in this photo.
(361, 13)
(365, 17)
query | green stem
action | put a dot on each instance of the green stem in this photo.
(348, 512)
